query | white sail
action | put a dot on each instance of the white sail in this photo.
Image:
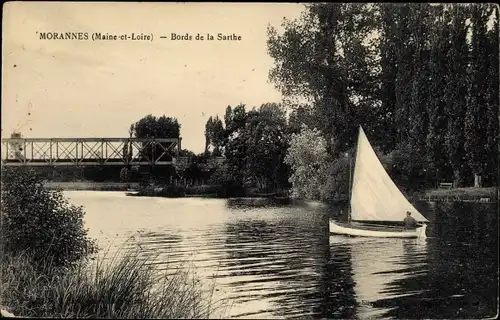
(374, 196)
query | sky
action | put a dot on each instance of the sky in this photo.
(78, 88)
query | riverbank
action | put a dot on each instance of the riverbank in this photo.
(204, 191)
(125, 286)
(135, 190)
(482, 195)
(90, 186)
(56, 279)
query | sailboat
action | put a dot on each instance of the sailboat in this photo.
(375, 201)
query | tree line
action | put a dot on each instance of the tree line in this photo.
(421, 79)
(253, 143)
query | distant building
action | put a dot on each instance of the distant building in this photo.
(16, 148)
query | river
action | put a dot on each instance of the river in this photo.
(277, 260)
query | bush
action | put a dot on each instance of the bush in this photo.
(228, 182)
(40, 221)
(125, 286)
(202, 190)
(167, 191)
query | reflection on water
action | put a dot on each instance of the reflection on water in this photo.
(275, 259)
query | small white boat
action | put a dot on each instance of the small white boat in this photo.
(377, 231)
(376, 201)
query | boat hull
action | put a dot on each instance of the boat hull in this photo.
(378, 232)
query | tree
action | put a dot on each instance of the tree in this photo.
(323, 57)
(127, 147)
(455, 93)
(417, 117)
(125, 174)
(156, 127)
(208, 133)
(308, 159)
(417, 86)
(214, 135)
(235, 147)
(385, 126)
(266, 142)
(492, 102)
(302, 114)
(41, 222)
(476, 109)
(437, 160)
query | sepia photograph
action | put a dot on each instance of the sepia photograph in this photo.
(195, 160)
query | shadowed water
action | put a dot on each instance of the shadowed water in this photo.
(277, 260)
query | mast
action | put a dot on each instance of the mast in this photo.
(350, 175)
(349, 196)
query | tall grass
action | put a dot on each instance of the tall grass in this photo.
(124, 286)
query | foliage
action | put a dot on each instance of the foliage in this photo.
(476, 113)
(157, 127)
(437, 160)
(194, 167)
(214, 135)
(408, 168)
(168, 191)
(235, 148)
(100, 173)
(128, 174)
(309, 162)
(301, 114)
(126, 286)
(228, 181)
(124, 174)
(455, 95)
(321, 57)
(203, 190)
(266, 143)
(429, 80)
(40, 221)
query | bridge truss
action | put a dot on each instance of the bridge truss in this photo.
(89, 151)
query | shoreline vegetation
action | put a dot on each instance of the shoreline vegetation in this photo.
(471, 194)
(90, 186)
(50, 267)
(123, 286)
(482, 195)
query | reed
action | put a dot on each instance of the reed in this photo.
(125, 285)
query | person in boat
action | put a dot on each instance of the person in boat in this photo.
(409, 222)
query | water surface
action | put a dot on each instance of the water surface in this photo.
(277, 260)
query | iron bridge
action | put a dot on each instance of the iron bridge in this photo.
(89, 151)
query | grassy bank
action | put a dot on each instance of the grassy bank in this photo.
(45, 269)
(205, 191)
(460, 194)
(126, 286)
(90, 186)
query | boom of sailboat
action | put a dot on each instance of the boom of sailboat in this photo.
(375, 200)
